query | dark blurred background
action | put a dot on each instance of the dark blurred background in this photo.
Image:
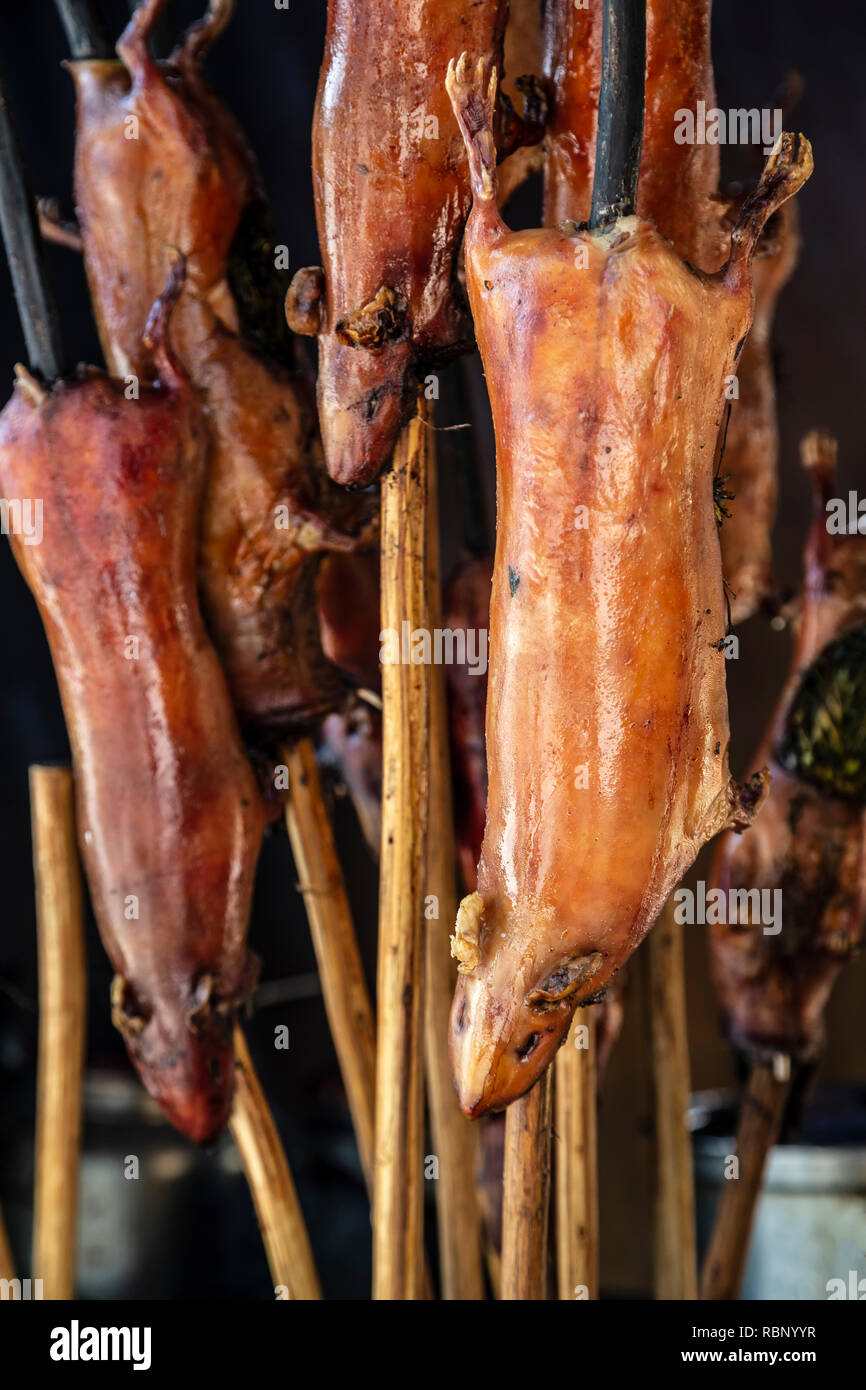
(187, 1230)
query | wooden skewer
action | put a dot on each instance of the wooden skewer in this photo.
(62, 1020)
(675, 1252)
(526, 1194)
(347, 1002)
(760, 1121)
(576, 1166)
(281, 1221)
(455, 1139)
(398, 1196)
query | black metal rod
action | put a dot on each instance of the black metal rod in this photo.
(36, 308)
(620, 111)
(85, 32)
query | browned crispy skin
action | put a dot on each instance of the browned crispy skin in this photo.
(678, 185)
(572, 67)
(751, 452)
(169, 816)
(678, 190)
(347, 592)
(161, 169)
(811, 846)
(607, 730)
(392, 196)
(467, 606)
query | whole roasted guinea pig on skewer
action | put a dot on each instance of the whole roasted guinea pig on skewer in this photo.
(169, 816)
(607, 727)
(392, 196)
(809, 844)
(161, 168)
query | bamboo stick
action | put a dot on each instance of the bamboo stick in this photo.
(280, 1218)
(398, 1194)
(760, 1121)
(347, 1002)
(675, 1253)
(62, 1023)
(526, 1194)
(576, 1165)
(455, 1139)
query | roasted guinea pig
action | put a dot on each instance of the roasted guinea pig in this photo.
(607, 728)
(161, 169)
(809, 843)
(169, 816)
(678, 190)
(749, 464)
(392, 196)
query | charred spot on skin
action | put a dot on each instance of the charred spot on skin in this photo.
(368, 406)
(382, 320)
(564, 982)
(513, 580)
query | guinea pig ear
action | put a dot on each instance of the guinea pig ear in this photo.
(305, 301)
(384, 319)
(563, 982)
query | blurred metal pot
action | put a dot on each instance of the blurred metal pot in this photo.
(809, 1239)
